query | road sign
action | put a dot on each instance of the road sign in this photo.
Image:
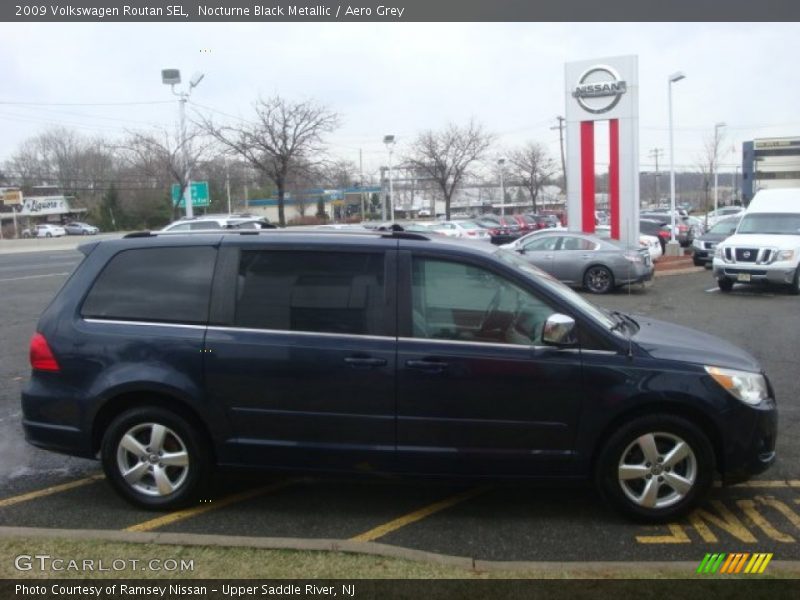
(198, 191)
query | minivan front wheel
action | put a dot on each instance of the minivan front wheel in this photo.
(154, 458)
(656, 468)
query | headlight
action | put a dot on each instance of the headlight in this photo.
(786, 255)
(697, 244)
(750, 388)
(718, 252)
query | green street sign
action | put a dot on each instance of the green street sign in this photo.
(198, 191)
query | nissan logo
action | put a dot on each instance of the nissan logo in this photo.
(599, 89)
(746, 254)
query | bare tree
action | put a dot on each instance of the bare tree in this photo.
(532, 168)
(284, 135)
(708, 163)
(159, 156)
(79, 166)
(444, 156)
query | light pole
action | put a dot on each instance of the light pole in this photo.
(501, 164)
(717, 127)
(172, 77)
(673, 248)
(389, 141)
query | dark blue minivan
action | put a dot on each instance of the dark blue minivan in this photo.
(166, 355)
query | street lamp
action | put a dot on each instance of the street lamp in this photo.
(501, 164)
(673, 248)
(389, 141)
(172, 77)
(717, 127)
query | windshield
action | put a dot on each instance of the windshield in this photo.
(559, 289)
(726, 227)
(469, 225)
(770, 223)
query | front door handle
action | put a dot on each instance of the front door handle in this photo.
(364, 362)
(429, 366)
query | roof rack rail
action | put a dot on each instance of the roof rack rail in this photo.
(405, 235)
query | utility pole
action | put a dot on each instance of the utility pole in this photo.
(361, 181)
(656, 153)
(560, 128)
(228, 184)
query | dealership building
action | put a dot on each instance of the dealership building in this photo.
(770, 163)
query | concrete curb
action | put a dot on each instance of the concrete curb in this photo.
(685, 271)
(681, 568)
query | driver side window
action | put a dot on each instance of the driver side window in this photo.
(457, 301)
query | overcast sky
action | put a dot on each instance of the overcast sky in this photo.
(403, 78)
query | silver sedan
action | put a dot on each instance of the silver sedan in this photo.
(584, 260)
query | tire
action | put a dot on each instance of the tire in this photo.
(794, 287)
(698, 263)
(598, 280)
(48, 235)
(725, 284)
(151, 484)
(645, 441)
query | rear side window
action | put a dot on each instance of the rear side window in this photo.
(154, 284)
(325, 292)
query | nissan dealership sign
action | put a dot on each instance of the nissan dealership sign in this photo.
(602, 95)
(599, 89)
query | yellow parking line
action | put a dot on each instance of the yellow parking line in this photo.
(417, 515)
(187, 513)
(48, 491)
(763, 483)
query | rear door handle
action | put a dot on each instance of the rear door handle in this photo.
(429, 366)
(363, 362)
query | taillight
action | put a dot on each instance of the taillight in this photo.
(42, 358)
(683, 228)
(472, 233)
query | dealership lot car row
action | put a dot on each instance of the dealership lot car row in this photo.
(168, 354)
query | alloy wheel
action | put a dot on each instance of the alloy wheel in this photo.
(657, 470)
(152, 459)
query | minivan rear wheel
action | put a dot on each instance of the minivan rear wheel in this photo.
(155, 458)
(656, 468)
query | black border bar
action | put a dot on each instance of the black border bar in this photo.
(188, 11)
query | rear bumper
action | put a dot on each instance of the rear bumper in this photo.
(640, 275)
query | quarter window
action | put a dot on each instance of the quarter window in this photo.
(325, 292)
(455, 301)
(154, 284)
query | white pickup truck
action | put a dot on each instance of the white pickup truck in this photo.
(766, 244)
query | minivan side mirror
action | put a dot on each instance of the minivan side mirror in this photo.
(559, 330)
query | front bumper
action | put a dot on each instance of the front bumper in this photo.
(752, 434)
(777, 273)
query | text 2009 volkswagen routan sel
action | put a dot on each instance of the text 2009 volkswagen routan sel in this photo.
(168, 355)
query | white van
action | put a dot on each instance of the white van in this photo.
(766, 245)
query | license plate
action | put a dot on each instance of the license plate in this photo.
(743, 277)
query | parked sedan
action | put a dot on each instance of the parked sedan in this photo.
(44, 231)
(79, 228)
(501, 229)
(587, 261)
(468, 230)
(704, 246)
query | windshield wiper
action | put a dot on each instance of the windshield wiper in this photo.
(621, 320)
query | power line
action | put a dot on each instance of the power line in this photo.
(20, 103)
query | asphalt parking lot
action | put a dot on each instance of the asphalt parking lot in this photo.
(490, 522)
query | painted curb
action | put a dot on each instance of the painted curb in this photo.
(681, 568)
